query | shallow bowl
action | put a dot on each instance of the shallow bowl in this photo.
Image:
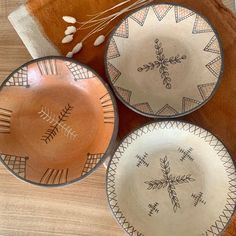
(172, 178)
(58, 121)
(164, 61)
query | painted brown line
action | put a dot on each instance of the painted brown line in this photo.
(3, 109)
(41, 72)
(53, 66)
(61, 176)
(7, 125)
(46, 67)
(108, 105)
(104, 96)
(5, 121)
(54, 179)
(67, 171)
(108, 111)
(44, 176)
(106, 101)
(51, 175)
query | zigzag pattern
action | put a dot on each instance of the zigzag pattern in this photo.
(220, 223)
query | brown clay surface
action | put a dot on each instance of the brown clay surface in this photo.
(216, 116)
(29, 210)
(57, 122)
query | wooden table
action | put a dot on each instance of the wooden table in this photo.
(80, 209)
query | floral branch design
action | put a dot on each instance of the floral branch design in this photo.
(57, 124)
(169, 181)
(162, 63)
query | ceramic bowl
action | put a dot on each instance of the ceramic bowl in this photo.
(164, 61)
(58, 121)
(172, 178)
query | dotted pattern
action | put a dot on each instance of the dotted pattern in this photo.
(206, 90)
(124, 93)
(201, 26)
(112, 51)
(144, 107)
(114, 73)
(123, 30)
(167, 110)
(215, 66)
(140, 16)
(213, 46)
(182, 13)
(189, 104)
(161, 11)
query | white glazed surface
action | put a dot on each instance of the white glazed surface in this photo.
(206, 177)
(180, 31)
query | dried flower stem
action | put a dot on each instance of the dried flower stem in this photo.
(107, 20)
(103, 12)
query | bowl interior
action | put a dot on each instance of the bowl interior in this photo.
(57, 127)
(164, 60)
(165, 174)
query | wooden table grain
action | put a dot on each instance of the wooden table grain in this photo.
(26, 210)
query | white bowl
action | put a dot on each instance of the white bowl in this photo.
(172, 178)
(164, 61)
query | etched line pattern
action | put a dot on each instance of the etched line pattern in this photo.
(142, 160)
(186, 154)
(162, 63)
(170, 182)
(79, 72)
(48, 67)
(16, 163)
(19, 79)
(153, 208)
(5, 121)
(91, 162)
(57, 123)
(53, 176)
(198, 198)
(108, 109)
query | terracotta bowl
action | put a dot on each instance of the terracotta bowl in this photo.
(172, 178)
(58, 121)
(164, 61)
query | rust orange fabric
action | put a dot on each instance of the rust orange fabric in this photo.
(218, 116)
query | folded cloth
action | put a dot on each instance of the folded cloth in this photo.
(39, 24)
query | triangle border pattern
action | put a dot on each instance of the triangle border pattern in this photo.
(145, 11)
(178, 18)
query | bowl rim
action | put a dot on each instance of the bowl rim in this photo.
(112, 142)
(219, 79)
(155, 121)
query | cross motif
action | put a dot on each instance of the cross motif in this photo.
(170, 182)
(198, 198)
(162, 63)
(153, 208)
(186, 154)
(142, 160)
